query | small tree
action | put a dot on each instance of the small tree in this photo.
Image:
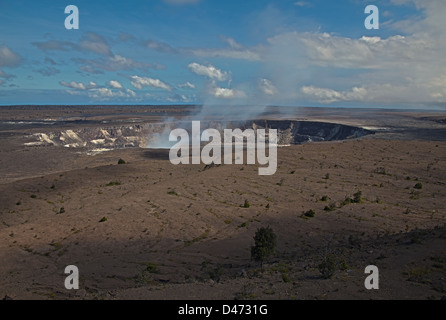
(265, 244)
(328, 265)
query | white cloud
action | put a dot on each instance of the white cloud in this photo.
(225, 93)
(92, 42)
(95, 43)
(323, 95)
(74, 85)
(115, 84)
(130, 92)
(302, 4)
(8, 58)
(78, 85)
(178, 98)
(90, 69)
(187, 85)
(107, 94)
(407, 64)
(209, 71)
(92, 91)
(113, 63)
(241, 54)
(438, 86)
(235, 51)
(118, 62)
(325, 50)
(102, 92)
(232, 43)
(159, 46)
(56, 45)
(48, 71)
(267, 87)
(376, 93)
(140, 82)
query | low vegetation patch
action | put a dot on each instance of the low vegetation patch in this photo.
(418, 186)
(324, 198)
(113, 183)
(310, 213)
(172, 192)
(327, 267)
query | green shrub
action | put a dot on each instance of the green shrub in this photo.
(310, 213)
(380, 170)
(151, 267)
(246, 204)
(357, 197)
(330, 207)
(327, 267)
(172, 192)
(285, 277)
(418, 186)
(213, 273)
(121, 161)
(346, 201)
(113, 183)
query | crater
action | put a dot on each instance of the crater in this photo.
(155, 135)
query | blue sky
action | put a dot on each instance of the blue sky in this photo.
(311, 53)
